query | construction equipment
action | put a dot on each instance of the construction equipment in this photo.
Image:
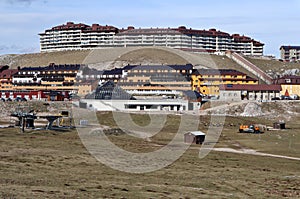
(249, 129)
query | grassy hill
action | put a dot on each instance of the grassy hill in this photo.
(274, 66)
(43, 59)
(119, 57)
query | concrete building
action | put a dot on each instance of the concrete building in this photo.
(290, 53)
(249, 92)
(208, 81)
(111, 97)
(72, 36)
(138, 105)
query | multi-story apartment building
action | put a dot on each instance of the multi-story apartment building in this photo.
(52, 77)
(77, 36)
(156, 79)
(80, 36)
(290, 53)
(208, 81)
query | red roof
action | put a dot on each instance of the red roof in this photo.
(84, 27)
(288, 79)
(245, 39)
(8, 73)
(2, 68)
(244, 87)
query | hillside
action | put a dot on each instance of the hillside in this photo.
(43, 59)
(275, 67)
(119, 57)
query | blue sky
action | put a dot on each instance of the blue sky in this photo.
(273, 22)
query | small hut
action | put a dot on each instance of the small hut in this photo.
(196, 137)
(279, 125)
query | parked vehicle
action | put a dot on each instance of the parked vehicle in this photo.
(286, 97)
(275, 98)
(294, 97)
(249, 129)
(20, 99)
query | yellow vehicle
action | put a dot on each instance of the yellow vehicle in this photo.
(249, 129)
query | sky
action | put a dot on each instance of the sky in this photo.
(272, 22)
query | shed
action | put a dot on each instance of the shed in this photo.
(196, 137)
(279, 125)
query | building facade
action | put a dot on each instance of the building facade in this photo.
(290, 84)
(208, 81)
(249, 92)
(139, 105)
(6, 76)
(156, 79)
(290, 53)
(72, 36)
(52, 77)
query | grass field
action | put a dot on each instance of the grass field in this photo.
(51, 164)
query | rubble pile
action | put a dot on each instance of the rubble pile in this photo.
(252, 109)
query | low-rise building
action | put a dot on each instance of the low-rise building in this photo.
(238, 92)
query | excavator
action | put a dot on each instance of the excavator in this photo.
(249, 129)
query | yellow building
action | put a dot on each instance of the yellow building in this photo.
(6, 78)
(86, 87)
(290, 83)
(52, 77)
(207, 81)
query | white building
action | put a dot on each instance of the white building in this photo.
(138, 105)
(80, 36)
(290, 53)
(238, 92)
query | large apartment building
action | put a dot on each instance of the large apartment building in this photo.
(52, 77)
(208, 81)
(290, 53)
(72, 36)
(156, 79)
